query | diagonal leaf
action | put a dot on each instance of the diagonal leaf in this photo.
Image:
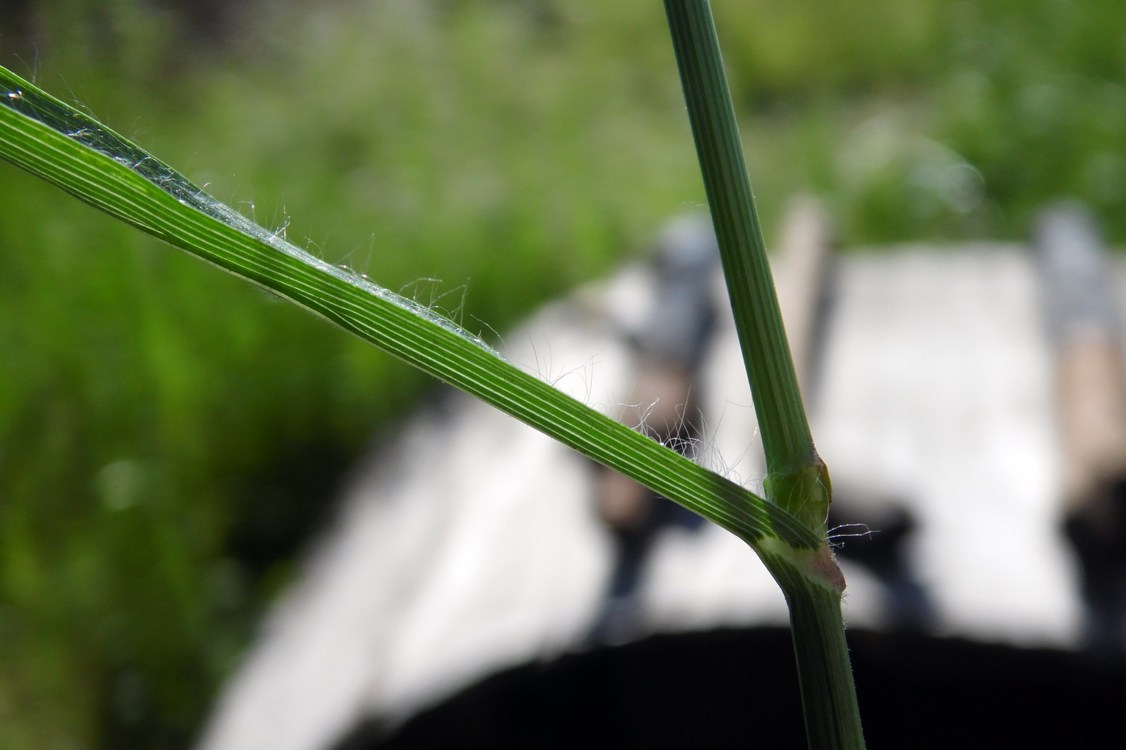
(73, 151)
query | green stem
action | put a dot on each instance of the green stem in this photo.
(832, 718)
(796, 477)
(791, 457)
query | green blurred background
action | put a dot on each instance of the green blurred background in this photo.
(170, 437)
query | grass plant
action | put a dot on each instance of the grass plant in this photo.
(787, 529)
(143, 457)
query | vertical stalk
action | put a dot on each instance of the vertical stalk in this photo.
(828, 694)
(797, 479)
(766, 354)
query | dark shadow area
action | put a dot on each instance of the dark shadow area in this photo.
(738, 688)
(283, 505)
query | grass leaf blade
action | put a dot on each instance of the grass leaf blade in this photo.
(71, 150)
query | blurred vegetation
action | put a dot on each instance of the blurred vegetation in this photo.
(169, 437)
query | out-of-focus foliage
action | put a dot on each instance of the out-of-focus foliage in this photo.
(168, 435)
